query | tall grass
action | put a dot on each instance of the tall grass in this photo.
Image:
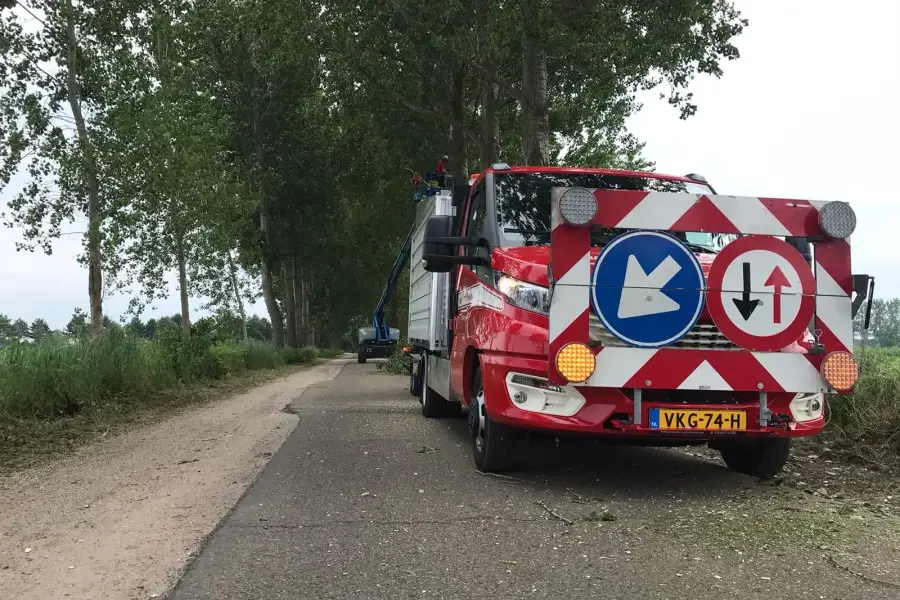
(869, 419)
(56, 379)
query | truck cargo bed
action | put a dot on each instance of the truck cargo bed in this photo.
(428, 292)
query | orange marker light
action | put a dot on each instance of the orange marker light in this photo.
(840, 370)
(575, 362)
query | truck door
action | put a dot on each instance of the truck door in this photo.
(466, 280)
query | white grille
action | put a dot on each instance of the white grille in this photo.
(705, 336)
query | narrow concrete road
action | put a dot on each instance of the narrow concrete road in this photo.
(367, 499)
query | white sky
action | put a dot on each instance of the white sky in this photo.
(807, 112)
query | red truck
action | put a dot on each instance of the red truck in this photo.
(640, 307)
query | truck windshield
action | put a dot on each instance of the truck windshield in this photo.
(523, 205)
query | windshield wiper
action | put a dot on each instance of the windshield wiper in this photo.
(526, 231)
(699, 248)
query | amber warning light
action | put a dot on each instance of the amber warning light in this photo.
(575, 362)
(840, 370)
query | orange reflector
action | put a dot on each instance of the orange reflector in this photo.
(575, 362)
(840, 370)
(406, 349)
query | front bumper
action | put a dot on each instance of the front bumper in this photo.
(512, 397)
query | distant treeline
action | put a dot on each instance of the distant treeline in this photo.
(226, 326)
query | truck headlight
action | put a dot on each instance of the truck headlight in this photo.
(525, 295)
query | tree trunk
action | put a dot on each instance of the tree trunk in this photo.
(95, 258)
(268, 289)
(299, 297)
(182, 281)
(265, 234)
(536, 136)
(232, 270)
(489, 90)
(290, 304)
(306, 329)
(458, 158)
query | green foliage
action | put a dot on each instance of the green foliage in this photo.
(57, 378)
(397, 363)
(869, 419)
(262, 146)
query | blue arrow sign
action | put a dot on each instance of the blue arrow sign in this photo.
(647, 288)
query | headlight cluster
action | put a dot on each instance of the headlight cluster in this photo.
(524, 295)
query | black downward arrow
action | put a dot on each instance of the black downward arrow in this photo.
(744, 304)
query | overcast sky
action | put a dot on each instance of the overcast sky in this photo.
(809, 112)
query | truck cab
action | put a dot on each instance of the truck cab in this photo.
(508, 324)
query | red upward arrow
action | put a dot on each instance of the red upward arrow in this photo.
(777, 280)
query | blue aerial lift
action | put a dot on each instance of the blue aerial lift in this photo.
(379, 340)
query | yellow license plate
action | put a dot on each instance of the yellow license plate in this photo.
(698, 420)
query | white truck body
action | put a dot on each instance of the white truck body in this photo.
(428, 292)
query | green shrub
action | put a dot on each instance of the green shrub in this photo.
(63, 377)
(308, 354)
(229, 357)
(260, 355)
(49, 379)
(869, 419)
(291, 356)
(397, 362)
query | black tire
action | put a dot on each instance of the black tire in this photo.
(760, 458)
(361, 355)
(433, 406)
(495, 451)
(415, 381)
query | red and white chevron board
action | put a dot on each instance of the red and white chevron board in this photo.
(670, 368)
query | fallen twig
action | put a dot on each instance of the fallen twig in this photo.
(866, 459)
(554, 514)
(834, 562)
(499, 476)
(184, 462)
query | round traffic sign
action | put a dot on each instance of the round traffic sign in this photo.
(647, 289)
(761, 293)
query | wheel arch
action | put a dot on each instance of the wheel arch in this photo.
(471, 362)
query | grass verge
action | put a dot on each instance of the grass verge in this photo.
(866, 424)
(57, 397)
(29, 441)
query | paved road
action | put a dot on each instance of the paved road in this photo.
(367, 499)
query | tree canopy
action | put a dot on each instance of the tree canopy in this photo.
(260, 148)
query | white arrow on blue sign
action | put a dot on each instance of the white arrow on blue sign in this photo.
(647, 288)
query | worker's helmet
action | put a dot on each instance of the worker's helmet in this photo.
(446, 157)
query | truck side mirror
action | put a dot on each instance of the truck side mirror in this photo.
(439, 246)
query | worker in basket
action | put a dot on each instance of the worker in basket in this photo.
(441, 170)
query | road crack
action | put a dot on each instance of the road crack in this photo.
(266, 525)
(855, 573)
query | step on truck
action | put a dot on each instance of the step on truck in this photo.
(639, 307)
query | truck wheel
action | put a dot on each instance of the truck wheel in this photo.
(433, 406)
(494, 444)
(760, 458)
(361, 355)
